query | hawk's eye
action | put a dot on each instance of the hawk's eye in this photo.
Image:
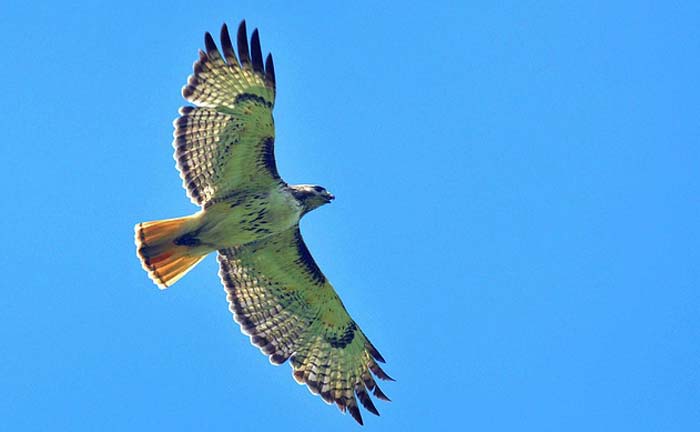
(318, 188)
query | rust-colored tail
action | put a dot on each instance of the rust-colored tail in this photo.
(164, 260)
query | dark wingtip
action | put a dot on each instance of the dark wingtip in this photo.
(355, 413)
(256, 52)
(379, 394)
(374, 352)
(210, 44)
(270, 70)
(366, 400)
(374, 367)
(387, 377)
(227, 47)
(242, 41)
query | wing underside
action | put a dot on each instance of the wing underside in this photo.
(226, 141)
(284, 303)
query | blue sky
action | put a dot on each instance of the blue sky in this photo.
(516, 224)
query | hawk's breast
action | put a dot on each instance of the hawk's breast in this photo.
(248, 216)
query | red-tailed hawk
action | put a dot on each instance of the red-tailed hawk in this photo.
(224, 148)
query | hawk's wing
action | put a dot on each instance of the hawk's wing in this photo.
(284, 303)
(226, 142)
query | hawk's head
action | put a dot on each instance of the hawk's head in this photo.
(311, 196)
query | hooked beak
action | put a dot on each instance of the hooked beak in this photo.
(331, 197)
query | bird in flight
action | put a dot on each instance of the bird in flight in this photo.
(224, 150)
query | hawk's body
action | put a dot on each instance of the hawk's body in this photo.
(224, 148)
(242, 218)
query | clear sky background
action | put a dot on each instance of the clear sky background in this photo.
(516, 226)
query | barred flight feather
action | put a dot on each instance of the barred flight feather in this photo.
(197, 139)
(216, 151)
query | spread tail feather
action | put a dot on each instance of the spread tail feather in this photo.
(165, 260)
